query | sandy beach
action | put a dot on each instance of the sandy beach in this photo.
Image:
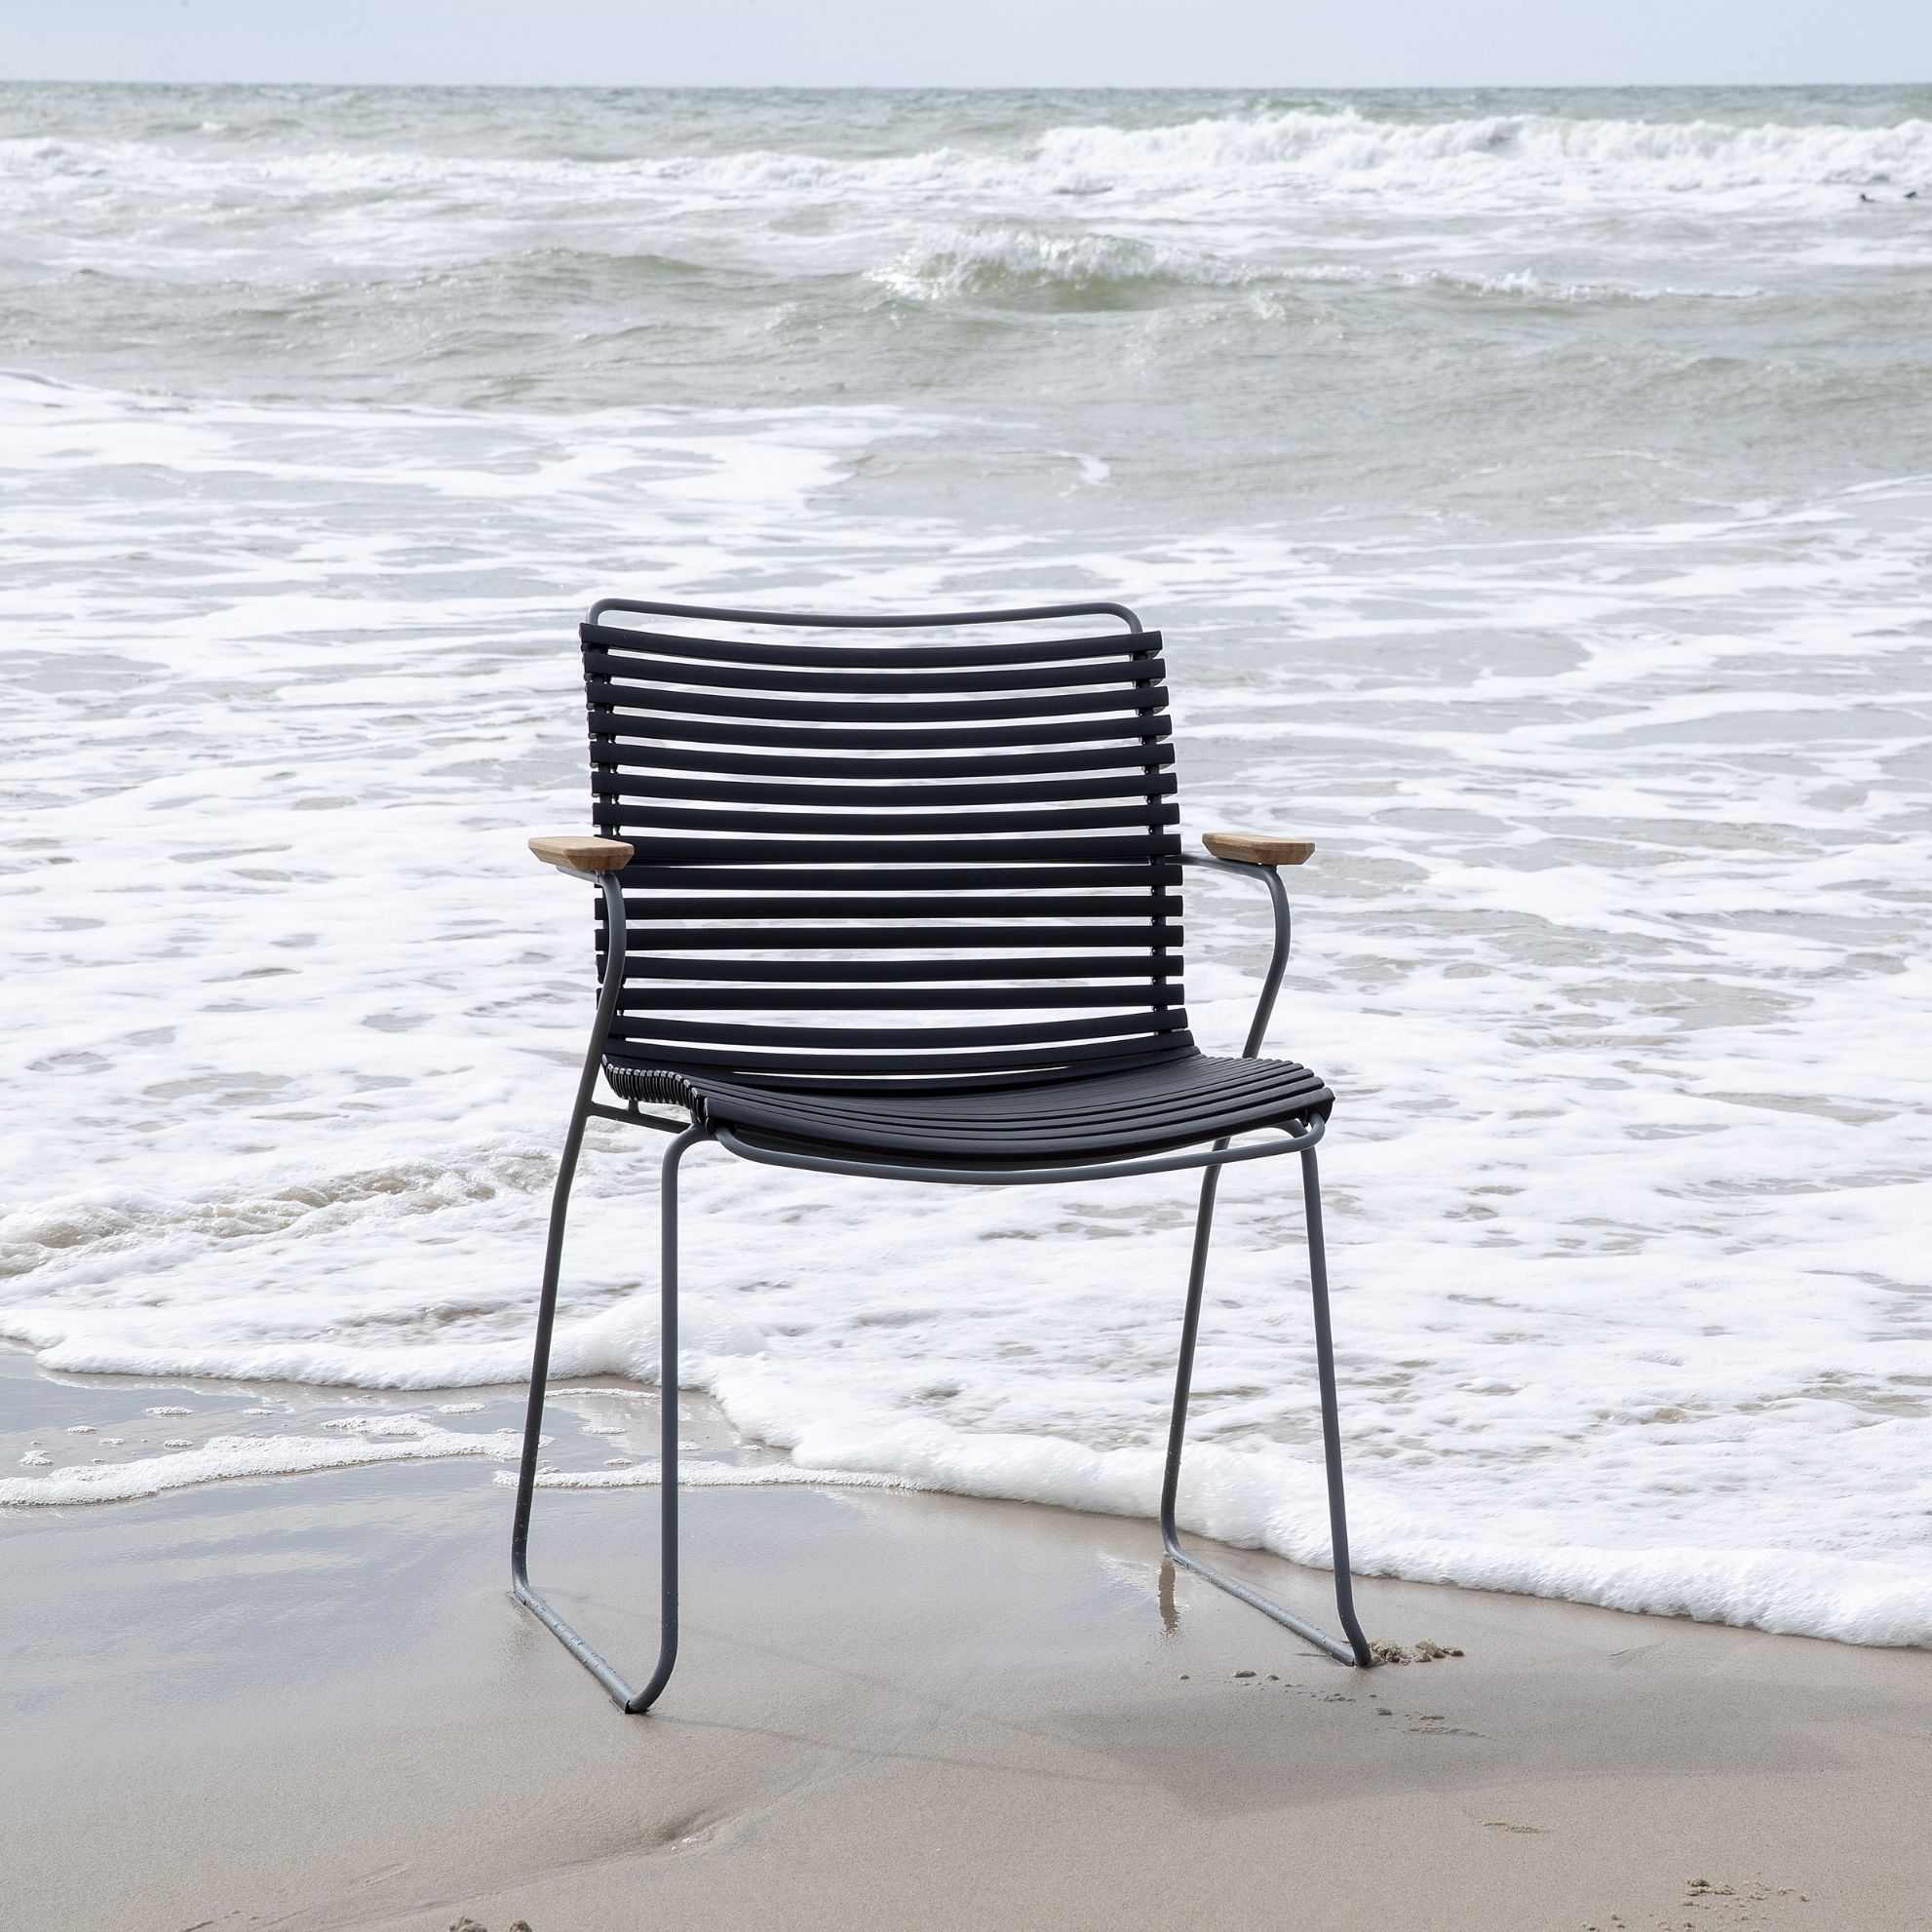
(308, 1702)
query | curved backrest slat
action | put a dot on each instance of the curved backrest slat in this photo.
(649, 871)
(817, 737)
(1005, 791)
(860, 673)
(930, 977)
(1134, 757)
(867, 859)
(941, 825)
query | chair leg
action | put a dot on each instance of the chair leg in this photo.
(526, 1475)
(1355, 1650)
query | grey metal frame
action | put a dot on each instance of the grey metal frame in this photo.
(1351, 1648)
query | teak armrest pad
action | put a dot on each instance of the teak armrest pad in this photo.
(583, 856)
(1251, 849)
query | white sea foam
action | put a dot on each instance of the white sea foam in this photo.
(225, 1459)
(621, 1474)
(1335, 148)
(1486, 153)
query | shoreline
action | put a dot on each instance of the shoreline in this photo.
(601, 1433)
(892, 1709)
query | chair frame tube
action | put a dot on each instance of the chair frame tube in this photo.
(1356, 1650)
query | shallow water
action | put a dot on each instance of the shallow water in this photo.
(1533, 492)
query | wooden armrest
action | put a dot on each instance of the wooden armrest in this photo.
(583, 856)
(1250, 849)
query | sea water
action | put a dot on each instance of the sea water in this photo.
(1536, 493)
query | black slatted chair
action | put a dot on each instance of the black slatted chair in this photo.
(908, 907)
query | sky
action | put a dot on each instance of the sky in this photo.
(974, 43)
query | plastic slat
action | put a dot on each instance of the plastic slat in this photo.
(851, 1062)
(609, 763)
(654, 704)
(635, 1026)
(744, 851)
(903, 821)
(893, 679)
(1005, 793)
(679, 998)
(889, 881)
(950, 657)
(620, 734)
(1030, 1074)
(1204, 1111)
(1139, 966)
(942, 912)
(1146, 942)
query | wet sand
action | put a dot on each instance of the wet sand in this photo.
(308, 1702)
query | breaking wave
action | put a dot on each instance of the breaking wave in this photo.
(1306, 149)
(1071, 271)
(1020, 268)
(1348, 149)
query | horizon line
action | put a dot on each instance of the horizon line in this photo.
(991, 87)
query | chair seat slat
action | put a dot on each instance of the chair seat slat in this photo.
(1128, 1097)
(993, 1115)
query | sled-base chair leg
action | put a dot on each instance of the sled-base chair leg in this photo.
(1353, 1649)
(521, 1589)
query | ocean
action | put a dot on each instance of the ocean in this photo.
(1534, 491)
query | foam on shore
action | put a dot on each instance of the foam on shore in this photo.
(225, 1459)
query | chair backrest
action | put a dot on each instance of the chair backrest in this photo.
(874, 859)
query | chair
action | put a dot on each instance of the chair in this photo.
(903, 908)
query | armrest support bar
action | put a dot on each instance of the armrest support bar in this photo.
(1264, 1005)
(601, 860)
(583, 856)
(608, 994)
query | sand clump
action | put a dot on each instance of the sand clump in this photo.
(1423, 1652)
